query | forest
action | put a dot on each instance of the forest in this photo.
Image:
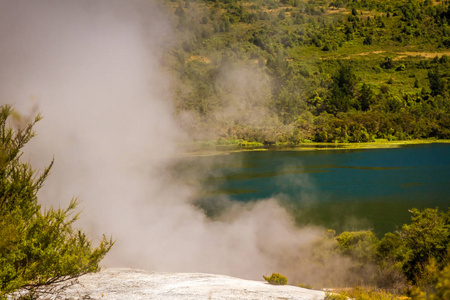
(266, 72)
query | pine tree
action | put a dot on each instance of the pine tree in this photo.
(38, 248)
(437, 84)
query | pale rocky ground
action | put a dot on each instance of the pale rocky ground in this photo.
(137, 284)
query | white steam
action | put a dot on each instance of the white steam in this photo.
(93, 69)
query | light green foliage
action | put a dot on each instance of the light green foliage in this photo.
(420, 250)
(276, 279)
(426, 240)
(360, 293)
(418, 253)
(305, 286)
(440, 288)
(38, 248)
(360, 245)
(333, 296)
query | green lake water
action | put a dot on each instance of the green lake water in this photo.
(336, 189)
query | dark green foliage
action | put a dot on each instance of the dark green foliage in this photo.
(368, 40)
(437, 85)
(342, 90)
(37, 248)
(276, 279)
(366, 97)
(388, 63)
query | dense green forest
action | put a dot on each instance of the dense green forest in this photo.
(294, 71)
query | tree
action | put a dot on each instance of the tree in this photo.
(388, 63)
(437, 84)
(342, 90)
(345, 80)
(426, 239)
(279, 69)
(38, 248)
(360, 245)
(366, 97)
(368, 40)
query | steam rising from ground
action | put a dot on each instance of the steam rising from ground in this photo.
(92, 68)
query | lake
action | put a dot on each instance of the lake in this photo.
(336, 189)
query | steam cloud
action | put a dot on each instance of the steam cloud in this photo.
(93, 69)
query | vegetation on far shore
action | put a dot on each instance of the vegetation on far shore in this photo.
(292, 71)
(205, 148)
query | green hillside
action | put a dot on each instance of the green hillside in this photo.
(292, 71)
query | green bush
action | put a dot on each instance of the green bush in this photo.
(276, 279)
(360, 245)
(426, 240)
(38, 248)
(331, 296)
(305, 286)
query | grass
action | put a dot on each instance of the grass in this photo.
(209, 148)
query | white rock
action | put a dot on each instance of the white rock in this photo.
(134, 284)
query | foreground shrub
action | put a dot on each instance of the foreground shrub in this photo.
(38, 248)
(360, 293)
(276, 279)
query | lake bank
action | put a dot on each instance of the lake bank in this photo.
(209, 148)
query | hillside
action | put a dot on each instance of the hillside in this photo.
(293, 71)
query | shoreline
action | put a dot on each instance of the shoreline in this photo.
(208, 149)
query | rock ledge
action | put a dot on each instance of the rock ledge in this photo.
(135, 284)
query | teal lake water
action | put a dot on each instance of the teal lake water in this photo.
(337, 189)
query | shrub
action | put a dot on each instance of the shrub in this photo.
(368, 40)
(331, 296)
(38, 248)
(426, 239)
(360, 245)
(276, 279)
(402, 67)
(360, 293)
